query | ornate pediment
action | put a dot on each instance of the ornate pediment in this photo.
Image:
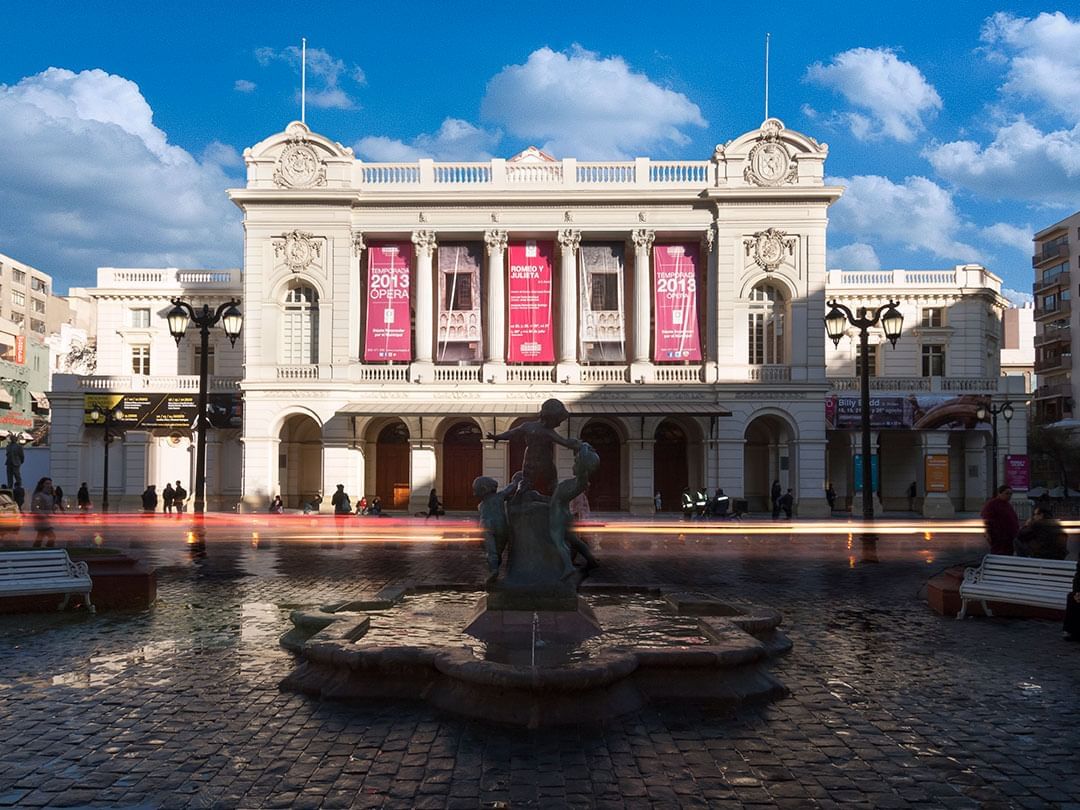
(769, 248)
(299, 165)
(297, 250)
(770, 163)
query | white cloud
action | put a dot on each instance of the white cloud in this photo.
(916, 214)
(244, 86)
(893, 96)
(856, 256)
(1010, 236)
(578, 104)
(88, 180)
(455, 140)
(324, 73)
(1022, 163)
(1017, 298)
(1043, 58)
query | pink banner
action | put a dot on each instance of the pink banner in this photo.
(1018, 473)
(529, 300)
(389, 336)
(675, 286)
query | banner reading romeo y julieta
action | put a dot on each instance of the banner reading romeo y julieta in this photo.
(389, 336)
(676, 301)
(529, 299)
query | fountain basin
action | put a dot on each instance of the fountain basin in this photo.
(418, 650)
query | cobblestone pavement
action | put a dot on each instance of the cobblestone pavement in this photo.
(891, 705)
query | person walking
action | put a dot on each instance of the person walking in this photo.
(83, 498)
(912, 492)
(150, 499)
(340, 501)
(42, 505)
(434, 508)
(787, 503)
(168, 495)
(179, 496)
(830, 496)
(1000, 521)
(58, 496)
(774, 496)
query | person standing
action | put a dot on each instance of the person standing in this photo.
(434, 508)
(657, 501)
(340, 501)
(58, 496)
(168, 495)
(787, 503)
(774, 495)
(830, 496)
(912, 492)
(1000, 521)
(42, 505)
(1072, 609)
(83, 498)
(13, 461)
(150, 499)
(179, 496)
(276, 506)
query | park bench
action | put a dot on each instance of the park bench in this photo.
(44, 571)
(1019, 581)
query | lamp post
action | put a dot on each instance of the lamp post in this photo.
(231, 321)
(892, 322)
(989, 413)
(108, 418)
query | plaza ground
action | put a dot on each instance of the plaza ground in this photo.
(891, 705)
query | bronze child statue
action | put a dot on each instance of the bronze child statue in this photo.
(538, 468)
(586, 462)
(493, 517)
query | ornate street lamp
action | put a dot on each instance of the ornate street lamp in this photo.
(836, 322)
(228, 314)
(108, 418)
(990, 414)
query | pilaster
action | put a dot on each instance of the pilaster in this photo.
(424, 243)
(495, 339)
(568, 369)
(641, 367)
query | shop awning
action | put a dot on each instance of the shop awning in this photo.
(496, 408)
(41, 401)
(5, 397)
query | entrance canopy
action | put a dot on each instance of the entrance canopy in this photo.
(583, 407)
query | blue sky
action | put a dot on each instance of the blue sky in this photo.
(955, 126)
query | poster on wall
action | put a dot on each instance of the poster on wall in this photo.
(1018, 473)
(936, 468)
(601, 324)
(913, 412)
(166, 410)
(531, 338)
(675, 287)
(459, 334)
(389, 333)
(873, 473)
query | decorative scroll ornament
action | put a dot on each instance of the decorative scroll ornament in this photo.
(358, 244)
(710, 239)
(643, 238)
(768, 248)
(769, 163)
(424, 242)
(298, 249)
(569, 239)
(299, 166)
(495, 241)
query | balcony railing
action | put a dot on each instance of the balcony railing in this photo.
(1060, 362)
(457, 374)
(170, 278)
(1050, 252)
(680, 374)
(298, 372)
(129, 383)
(906, 384)
(1058, 310)
(769, 374)
(530, 374)
(1056, 390)
(1060, 335)
(1062, 279)
(599, 375)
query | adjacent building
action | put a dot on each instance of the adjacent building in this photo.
(1057, 249)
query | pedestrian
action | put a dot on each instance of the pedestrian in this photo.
(83, 498)
(912, 492)
(1000, 521)
(701, 503)
(276, 506)
(1041, 537)
(42, 505)
(19, 494)
(58, 496)
(150, 498)
(376, 506)
(787, 503)
(657, 501)
(774, 497)
(720, 504)
(361, 506)
(13, 461)
(687, 504)
(434, 508)
(830, 496)
(179, 496)
(1072, 609)
(168, 495)
(341, 502)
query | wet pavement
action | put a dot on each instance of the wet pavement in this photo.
(891, 705)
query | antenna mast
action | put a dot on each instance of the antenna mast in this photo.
(767, 35)
(303, 81)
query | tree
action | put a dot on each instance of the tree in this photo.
(1059, 446)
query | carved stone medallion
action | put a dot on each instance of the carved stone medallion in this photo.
(298, 249)
(768, 248)
(769, 162)
(299, 166)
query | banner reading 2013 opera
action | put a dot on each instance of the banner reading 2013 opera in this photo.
(529, 299)
(389, 336)
(675, 290)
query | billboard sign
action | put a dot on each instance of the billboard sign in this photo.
(529, 297)
(389, 331)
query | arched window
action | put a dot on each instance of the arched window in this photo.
(300, 326)
(768, 311)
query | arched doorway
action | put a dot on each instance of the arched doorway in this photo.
(605, 490)
(767, 457)
(463, 461)
(392, 466)
(299, 460)
(671, 473)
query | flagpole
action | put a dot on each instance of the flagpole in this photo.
(303, 80)
(767, 76)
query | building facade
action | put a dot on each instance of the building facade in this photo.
(1057, 250)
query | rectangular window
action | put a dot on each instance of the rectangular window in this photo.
(140, 318)
(17, 317)
(605, 291)
(140, 359)
(38, 285)
(18, 276)
(875, 361)
(196, 359)
(933, 361)
(459, 293)
(37, 326)
(18, 299)
(39, 305)
(933, 317)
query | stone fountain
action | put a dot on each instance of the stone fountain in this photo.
(542, 645)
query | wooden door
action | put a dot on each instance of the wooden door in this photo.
(463, 461)
(392, 466)
(605, 487)
(670, 473)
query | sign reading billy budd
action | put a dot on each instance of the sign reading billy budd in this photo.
(166, 410)
(530, 331)
(913, 412)
(389, 333)
(675, 287)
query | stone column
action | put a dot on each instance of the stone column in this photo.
(131, 473)
(936, 504)
(978, 476)
(495, 304)
(422, 473)
(260, 466)
(641, 365)
(857, 494)
(810, 478)
(422, 368)
(356, 305)
(710, 334)
(341, 459)
(642, 484)
(568, 369)
(215, 502)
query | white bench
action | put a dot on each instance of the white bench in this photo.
(1019, 581)
(44, 571)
